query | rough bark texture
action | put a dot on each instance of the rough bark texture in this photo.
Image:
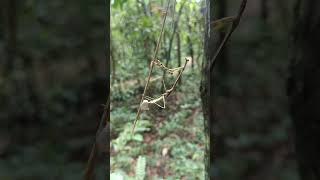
(304, 87)
(206, 88)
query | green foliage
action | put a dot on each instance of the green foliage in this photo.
(180, 132)
(118, 3)
(140, 171)
(116, 176)
(141, 168)
(177, 129)
(251, 125)
(126, 135)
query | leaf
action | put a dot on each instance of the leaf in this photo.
(222, 23)
(141, 168)
(138, 137)
(118, 3)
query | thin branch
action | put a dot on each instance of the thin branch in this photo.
(221, 23)
(151, 67)
(89, 171)
(235, 24)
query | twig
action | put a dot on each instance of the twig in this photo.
(221, 23)
(235, 24)
(89, 171)
(151, 68)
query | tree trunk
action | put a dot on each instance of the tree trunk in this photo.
(12, 34)
(264, 11)
(113, 62)
(170, 43)
(206, 88)
(167, 55)
(106, 155)
(171, 37)
(178, 53)
(189, 42)
(284, 14)
(304, 87)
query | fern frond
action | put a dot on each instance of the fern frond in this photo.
(141, 168)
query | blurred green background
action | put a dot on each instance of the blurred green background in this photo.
(171, 140)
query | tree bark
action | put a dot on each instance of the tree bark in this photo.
(264, 11)
(284, 14)
(206, 89)
(304, 87)
(12, 34)
(223, 65)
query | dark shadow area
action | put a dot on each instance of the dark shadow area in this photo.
(53, 82)
(252, 127)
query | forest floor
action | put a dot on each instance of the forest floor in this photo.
(171, 140)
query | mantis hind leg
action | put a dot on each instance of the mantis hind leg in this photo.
(155, 101)
(164, 103)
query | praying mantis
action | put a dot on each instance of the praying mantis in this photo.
(145, 100)
(149, 100)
